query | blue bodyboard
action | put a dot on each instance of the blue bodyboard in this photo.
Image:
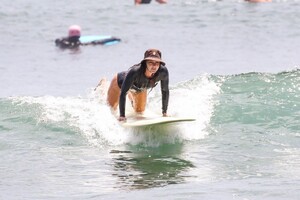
(106, 39)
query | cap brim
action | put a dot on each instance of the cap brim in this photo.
(155, 59)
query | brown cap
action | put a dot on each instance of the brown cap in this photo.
(153, 54)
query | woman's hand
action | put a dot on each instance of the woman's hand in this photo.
(122, 119)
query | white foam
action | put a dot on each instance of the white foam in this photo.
(95, 121)
(100, 127)
(192, 99)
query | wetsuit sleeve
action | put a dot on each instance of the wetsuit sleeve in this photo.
(62, 42)
(65, 43)
(128, 81)
(165, 91)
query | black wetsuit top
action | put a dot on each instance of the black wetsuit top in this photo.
(145, 1)
(136, 80)
(68, 42)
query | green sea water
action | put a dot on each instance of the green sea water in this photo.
(247, 134)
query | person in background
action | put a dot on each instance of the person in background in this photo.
(135, 83)
(258, 1)
(148, 1)
(72, 41)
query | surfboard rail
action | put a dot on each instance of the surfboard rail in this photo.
(141, 122)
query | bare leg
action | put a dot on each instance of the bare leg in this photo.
(113, 93)
(137, 1)
(257, 1)
(138, 100)
(161, 1)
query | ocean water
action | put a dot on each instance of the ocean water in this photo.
(234, 66)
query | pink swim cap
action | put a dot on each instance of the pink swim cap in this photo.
(74, 30)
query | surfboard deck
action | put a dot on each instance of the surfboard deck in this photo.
(150, 121)
(94, 38)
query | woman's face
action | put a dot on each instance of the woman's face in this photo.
(152, 66)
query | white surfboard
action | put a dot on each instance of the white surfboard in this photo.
(148, 121)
